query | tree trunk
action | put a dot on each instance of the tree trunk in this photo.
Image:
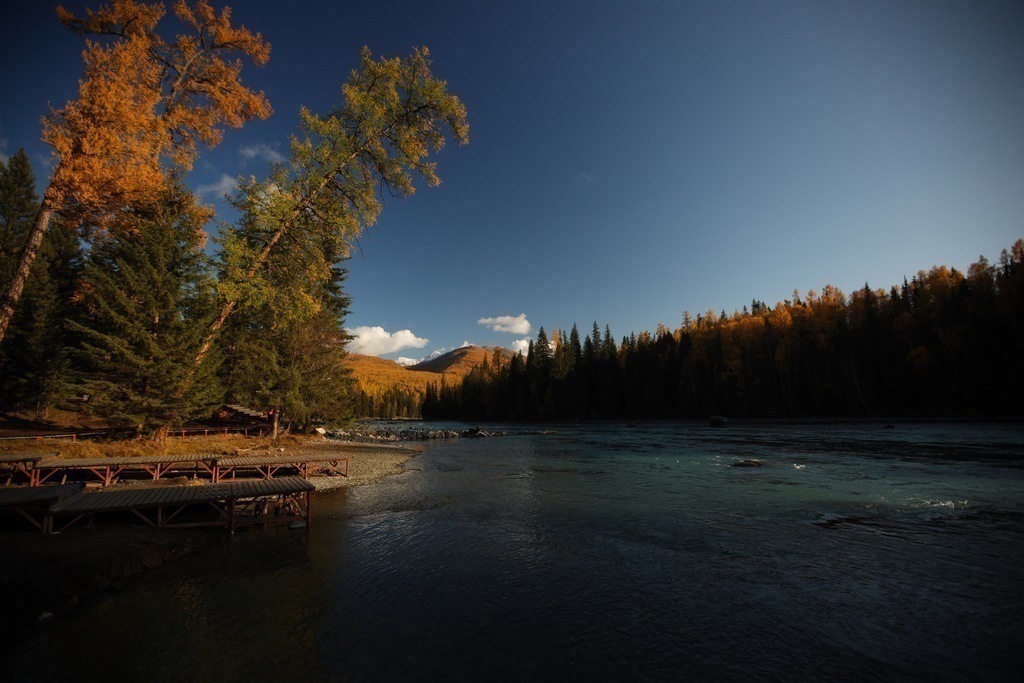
(277, 413)
(28, 257)
(228, 306)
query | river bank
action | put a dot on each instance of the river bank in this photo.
(44, 577)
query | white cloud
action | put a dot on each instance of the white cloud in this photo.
(507, 323)
(520, 346)
(376, 341)
(261, 150)
(225, 185)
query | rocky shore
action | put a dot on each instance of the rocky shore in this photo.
(395, 435)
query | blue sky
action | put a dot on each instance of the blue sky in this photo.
(629, 161)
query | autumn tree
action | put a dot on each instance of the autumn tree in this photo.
(395, 114)
(144, 105)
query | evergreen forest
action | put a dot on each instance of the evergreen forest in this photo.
(943, 344)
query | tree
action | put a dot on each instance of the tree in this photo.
(293, 365)
(143, 105)
(395, 113)
(33, 356)
(146, 294)
(18, 205)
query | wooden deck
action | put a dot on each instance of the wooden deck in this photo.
(235, 504)
(107, 471)
(33, 503)
(15, 467)
(268, 466)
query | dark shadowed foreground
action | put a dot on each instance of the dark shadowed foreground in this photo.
(606, 552)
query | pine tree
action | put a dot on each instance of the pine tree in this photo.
(33, 356)
(18, 206)
(147, 291)
(286, 352)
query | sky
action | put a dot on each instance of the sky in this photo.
(629, 161)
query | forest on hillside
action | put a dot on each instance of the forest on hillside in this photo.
(943, 344)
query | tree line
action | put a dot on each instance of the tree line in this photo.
(110, 296)
(944, 343)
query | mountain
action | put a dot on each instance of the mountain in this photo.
(460, 361)
(375, 375)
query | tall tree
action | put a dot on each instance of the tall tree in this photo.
(147, 292)
(33, 356)
(18, 206)
(292, 365)
(143, 105)
(395, 114)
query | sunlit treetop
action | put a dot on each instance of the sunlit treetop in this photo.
(145, 103)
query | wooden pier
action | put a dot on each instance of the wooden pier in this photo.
(16, 468)
(50, 492)
(107, 471)
(36, 470)
(234, 504)
(268, 466)
(33, 503)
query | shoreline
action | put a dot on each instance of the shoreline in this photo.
(47, 577)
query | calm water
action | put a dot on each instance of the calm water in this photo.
(608, 552)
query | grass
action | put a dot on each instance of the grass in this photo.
(220, 444)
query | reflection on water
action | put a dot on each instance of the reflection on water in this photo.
(607, 552)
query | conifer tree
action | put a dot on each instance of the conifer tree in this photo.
(18, 206)
(147, 292)
(287, 358)
(395, 114)
(33, 356)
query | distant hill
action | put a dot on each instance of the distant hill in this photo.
(460, 361)
(376, 375)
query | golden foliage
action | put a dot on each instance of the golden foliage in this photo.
(376, 375)
(144, 103)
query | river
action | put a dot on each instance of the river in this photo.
(605, 552)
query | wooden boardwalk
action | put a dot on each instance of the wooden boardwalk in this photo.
(267, 466)
(107, 471)
(233, 504)
(280, 493)
(17, 467)
(33, 503)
